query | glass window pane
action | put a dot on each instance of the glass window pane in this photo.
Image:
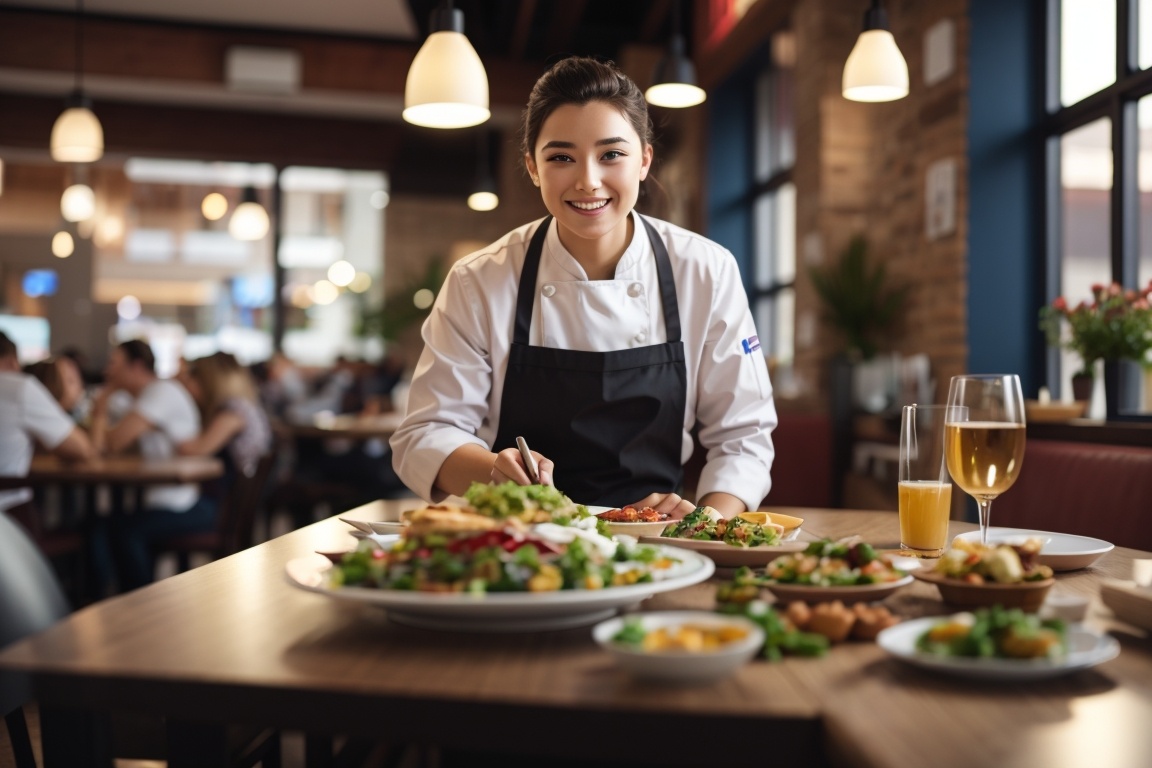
(763, 126)
(1087, 48)
(1086, 187)
(1144, 20)
(785, 246)
(784, 331)
(763, 240)
(1144, 180)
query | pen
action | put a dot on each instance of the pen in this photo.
(529, 462)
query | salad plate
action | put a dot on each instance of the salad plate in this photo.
(499, 611)
(1061, 551)
(1085, 649)
(726, 555)
(856, 594)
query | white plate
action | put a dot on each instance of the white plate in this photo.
(1085, 649)
(681, 666)
(728, 556)
(1061, 551)
(809, 594)
(503, 611)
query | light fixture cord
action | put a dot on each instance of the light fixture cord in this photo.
(79, 43)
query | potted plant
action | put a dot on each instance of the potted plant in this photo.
(857, 300)
(1115, 326)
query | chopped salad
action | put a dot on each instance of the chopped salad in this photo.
(976, 563)
(490, 548)
(706, 524)
(996, 632)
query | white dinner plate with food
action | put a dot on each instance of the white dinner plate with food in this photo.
(1061, 551)
(729, 556)
(636, 530)
(1085, 649)
(789, 593)
(501, 611)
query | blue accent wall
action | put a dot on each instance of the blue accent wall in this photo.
(1005, 190)
(730, 170)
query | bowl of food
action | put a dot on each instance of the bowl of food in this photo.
(631, 521)
(1036, 411)
(680, 646)
(972, 575)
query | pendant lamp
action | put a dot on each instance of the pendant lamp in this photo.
(77, 136)
(674, 82)
(875, 70)
(78, 203)
(484, 196)
(249, 221)
(447, 86)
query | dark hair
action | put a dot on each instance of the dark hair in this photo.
(137, 351)
(7, 347)
(48, 373)
(579, 80)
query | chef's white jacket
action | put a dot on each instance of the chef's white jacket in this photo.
(455, 398)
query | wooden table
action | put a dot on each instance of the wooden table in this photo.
(347, 427)
(233, 642)
(121, 470)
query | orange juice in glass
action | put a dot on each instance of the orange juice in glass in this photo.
(925, 490)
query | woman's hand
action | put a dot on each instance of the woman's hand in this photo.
(509, 465)
(671, 503)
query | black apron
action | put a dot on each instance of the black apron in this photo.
(612, 422)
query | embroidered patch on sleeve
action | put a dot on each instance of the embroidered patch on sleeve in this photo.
(750, 344)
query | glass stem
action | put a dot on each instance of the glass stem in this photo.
(985, 506)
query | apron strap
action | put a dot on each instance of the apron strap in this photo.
(526, 294)
(667, 283)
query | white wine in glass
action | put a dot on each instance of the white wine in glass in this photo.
(985, 451)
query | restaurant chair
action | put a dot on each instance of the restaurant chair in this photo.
(30, 601)
(234, 522)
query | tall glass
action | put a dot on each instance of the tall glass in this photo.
(925, 492)
(985, 449)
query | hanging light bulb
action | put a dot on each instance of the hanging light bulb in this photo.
(62, 244)
(447, 86)
(484, 197)
(77, 136)
(875, 70)
(674, 81)
(214, 206)
(249, 221)
(78, 203)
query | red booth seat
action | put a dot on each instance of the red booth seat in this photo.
(1087, 489)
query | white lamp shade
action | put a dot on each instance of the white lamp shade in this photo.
(249, 222)
(675, 95)
(77, 137)
(483, 201)
(78, 203)
(447, 86)
(875, 70)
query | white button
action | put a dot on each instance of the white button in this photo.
(642, 337)
(635, 290)
(548, 291)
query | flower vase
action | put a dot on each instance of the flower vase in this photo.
(1082, 384)
(1111, 389)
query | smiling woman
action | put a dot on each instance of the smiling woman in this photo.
(599, 335)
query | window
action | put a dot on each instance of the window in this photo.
(773, 202)
(1098, 132)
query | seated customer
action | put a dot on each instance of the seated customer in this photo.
(29, 414)
(235, 425)
(61, 377)
(162, 416)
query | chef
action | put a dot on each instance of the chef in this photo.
(601, 336)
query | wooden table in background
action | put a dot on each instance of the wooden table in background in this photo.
(232, 641)
(117, 470)
(347, 427)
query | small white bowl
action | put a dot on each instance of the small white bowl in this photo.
(681, 666)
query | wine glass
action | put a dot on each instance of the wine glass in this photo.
(985, 449)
